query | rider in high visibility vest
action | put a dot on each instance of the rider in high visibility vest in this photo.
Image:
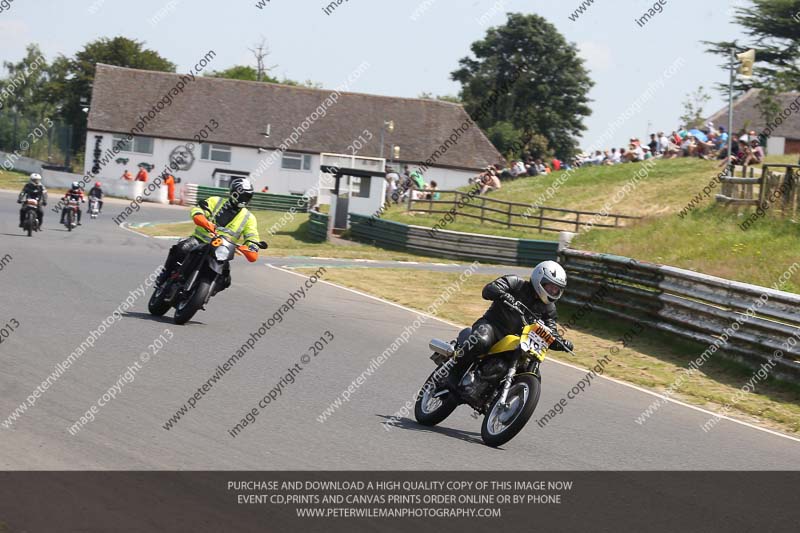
(222, 216)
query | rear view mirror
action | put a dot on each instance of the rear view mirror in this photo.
(263, 245)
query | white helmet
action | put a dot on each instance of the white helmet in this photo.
(549, 280)
(36, 179)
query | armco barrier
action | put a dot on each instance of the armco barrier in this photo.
(451, 244)
(263, 201)
(691, 305)
(318, 225)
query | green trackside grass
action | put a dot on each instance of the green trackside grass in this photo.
(651, 359)
(12, 180)
(709, 240)
(293, 239)
(666, 188)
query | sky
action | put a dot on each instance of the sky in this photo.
(411, 46)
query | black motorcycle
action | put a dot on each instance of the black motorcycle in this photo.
(194, 281)
(30, 216)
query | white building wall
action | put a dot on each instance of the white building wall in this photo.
(243, 159)
(279, 180)
(776, 145)
(449, 179)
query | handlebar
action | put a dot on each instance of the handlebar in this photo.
(525, 313)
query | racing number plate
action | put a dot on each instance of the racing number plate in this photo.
(540, 340)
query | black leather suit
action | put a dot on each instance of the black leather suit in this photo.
(499, 320)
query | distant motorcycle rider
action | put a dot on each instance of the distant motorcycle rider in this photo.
(75, 192)
(539, 294)
(33, 190)
(97, 192)
(224, 216)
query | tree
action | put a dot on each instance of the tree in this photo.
(76, 75)
(527, 74)
(773, 30)
(693, 116)
(442, 98)
(241, 72)
(26, 86)
(260, 51)
(246, 73)
(310, 84)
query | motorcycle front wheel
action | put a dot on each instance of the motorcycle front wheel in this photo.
(192, 303)
(429, 410)
(503, 422)
(30, 222)
(70, 215)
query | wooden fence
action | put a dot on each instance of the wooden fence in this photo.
(514, 214)
(771, 183)
(744, 322)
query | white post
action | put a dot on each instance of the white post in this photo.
(729, 167)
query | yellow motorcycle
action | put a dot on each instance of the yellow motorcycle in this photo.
(503, 384)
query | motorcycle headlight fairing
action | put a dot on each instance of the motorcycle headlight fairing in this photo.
(222, 253)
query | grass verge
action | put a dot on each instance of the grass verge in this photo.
(12, 180)
(652, 359)
(710, 241)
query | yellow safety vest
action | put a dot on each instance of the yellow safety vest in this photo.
(241, 230)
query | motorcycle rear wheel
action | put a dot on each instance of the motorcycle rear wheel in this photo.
(187, 308)
(522, 398)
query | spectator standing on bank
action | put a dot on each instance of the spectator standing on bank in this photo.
(170, 182)
(392, 180)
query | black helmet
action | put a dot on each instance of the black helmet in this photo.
(241, 191)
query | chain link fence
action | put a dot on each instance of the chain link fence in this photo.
(44, 139)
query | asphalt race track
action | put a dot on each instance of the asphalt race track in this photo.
(61, 285)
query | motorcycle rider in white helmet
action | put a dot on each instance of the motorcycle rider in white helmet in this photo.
(35, 191)
(539, 294)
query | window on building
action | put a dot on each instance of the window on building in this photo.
(292, 161)
(139, 145)
(123, 143)
(360, 187)
(216, 152)
(143, 145)
(224, 179)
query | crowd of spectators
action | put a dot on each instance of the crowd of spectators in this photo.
(399, 186)
(709, 142)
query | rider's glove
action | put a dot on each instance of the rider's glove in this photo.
(203, 222)
(249, 253)
(562, 345)
(509, 299)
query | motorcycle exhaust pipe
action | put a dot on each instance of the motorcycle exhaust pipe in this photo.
(442, 348)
